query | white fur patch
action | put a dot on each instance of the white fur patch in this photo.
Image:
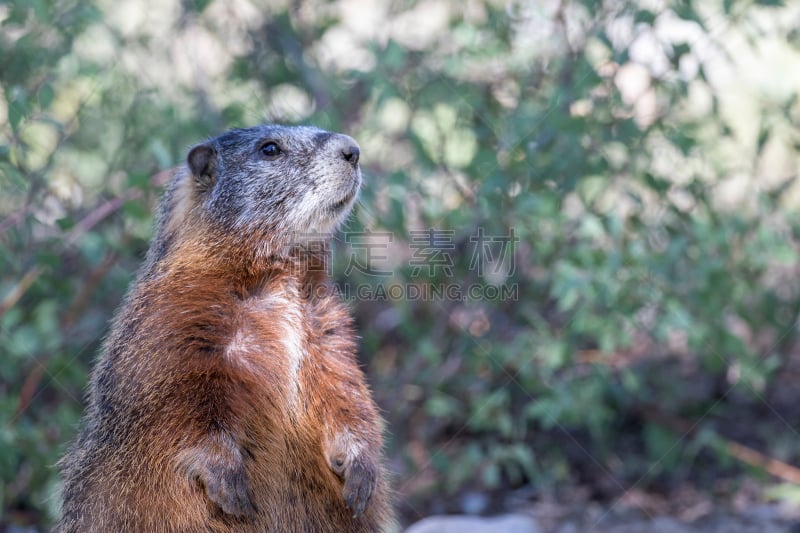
(343, 442)
(241, 348)
(289, 322)
(293, 341)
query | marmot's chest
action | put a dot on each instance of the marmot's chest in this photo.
(269, 339)
(278, 338)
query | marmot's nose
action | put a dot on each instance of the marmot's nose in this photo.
(351, 153)
(347, 147)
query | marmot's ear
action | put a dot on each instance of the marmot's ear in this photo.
(202, 162)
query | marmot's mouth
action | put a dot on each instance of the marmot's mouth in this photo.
(346, 200)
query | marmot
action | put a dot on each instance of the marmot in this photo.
(227, 396)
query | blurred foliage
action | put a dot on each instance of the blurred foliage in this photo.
(640, 282)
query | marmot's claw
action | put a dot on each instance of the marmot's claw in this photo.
(359, 485)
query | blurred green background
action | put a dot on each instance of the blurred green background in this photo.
(645, 155)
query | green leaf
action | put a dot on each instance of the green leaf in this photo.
(644, 16)
(45, 95)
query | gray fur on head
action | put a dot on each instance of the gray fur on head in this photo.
(299, 189)
(307, 187)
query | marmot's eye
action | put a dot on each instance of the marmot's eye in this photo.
(271, 149)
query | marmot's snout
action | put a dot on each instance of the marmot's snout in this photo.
(345, 147)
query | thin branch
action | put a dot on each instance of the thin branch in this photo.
(755, 458)
(745, 454)
(20, 288)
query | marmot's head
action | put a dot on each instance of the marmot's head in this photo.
(290, 184)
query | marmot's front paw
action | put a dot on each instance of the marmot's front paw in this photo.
(360, 480)
(228, 489)
(217, 466)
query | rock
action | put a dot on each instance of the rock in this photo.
(516, 523)
(21, 529)
(474, 503)
(666, 524)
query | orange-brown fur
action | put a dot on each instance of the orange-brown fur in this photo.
(218, 428)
